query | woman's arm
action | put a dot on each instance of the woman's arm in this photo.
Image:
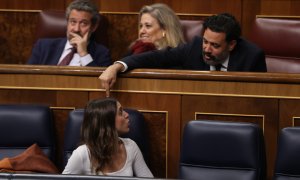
(140, 168)
(75, 163)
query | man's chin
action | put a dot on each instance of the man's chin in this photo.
(209, 62)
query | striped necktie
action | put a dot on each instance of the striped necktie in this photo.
(67, 59)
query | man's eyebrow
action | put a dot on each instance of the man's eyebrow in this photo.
(216, 44)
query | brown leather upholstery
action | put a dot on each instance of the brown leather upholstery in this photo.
(279, 38)
(191, 28)
(53, 24)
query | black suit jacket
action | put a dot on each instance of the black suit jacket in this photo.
(48, 52)
(245, 57)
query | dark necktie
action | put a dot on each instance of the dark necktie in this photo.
(218, 67)
(67, 59)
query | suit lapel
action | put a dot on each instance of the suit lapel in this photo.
(206, 67)
(235, 60)
(58, 51)
(230, 64)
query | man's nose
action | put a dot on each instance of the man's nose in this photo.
(207, 48)
(76, 27)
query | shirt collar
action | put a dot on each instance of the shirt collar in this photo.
(68, 45)
(224, 65)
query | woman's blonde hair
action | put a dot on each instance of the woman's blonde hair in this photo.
(168, 21)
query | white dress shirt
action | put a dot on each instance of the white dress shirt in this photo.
(77, 60)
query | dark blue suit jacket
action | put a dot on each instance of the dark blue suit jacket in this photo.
(245, 57)
(48, 52)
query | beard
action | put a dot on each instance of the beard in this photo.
(214, 60)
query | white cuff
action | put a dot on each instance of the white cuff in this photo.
(124, 64)
(85, 60)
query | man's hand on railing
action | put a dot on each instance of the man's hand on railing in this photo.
(109, 77)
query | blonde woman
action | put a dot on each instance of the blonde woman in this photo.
(159, 28)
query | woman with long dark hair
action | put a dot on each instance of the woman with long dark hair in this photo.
(103, 152)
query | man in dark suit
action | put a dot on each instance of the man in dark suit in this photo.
(221, 48)
(77, 49)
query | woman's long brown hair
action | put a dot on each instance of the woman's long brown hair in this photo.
(99, 133)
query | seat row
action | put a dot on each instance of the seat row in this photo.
(232, 150)
(210, 149)
(23, 125)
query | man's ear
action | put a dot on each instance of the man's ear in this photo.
(232, 45)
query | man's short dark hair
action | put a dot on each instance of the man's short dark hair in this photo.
(84, 5)
(225, 23)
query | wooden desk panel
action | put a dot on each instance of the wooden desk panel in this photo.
(167, 98)
(289, 113)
